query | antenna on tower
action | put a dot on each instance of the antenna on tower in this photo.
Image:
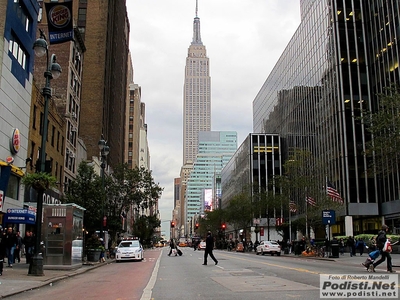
(196, 7)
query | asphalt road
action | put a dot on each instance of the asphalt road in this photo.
(237, 276)
(241, 276)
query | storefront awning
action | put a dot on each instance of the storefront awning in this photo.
(19, 216)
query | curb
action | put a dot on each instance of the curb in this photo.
(52, 280)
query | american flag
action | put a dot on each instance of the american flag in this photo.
(333, 193)
(311, 201)
(292, 207)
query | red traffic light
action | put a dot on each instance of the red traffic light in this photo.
(197, 226)
(223, 226)
(172, 224)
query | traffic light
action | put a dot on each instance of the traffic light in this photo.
(197, 226)
(223, 226)
(172, 224)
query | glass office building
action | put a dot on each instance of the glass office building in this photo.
(343, 53)
(215, 148)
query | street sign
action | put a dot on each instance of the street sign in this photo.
(328, 217)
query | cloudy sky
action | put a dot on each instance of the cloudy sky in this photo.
(244, 40)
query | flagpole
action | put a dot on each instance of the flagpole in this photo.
(306, 218)
(306, 214)
(290, 226)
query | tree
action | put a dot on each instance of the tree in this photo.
(239, 212)
(130, 190)
(304, 177)
(39, 181)
(87, 191)
(144, 228)
(383, 124)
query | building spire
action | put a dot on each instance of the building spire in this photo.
(196, 29)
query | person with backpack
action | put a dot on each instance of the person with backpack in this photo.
(380, 243)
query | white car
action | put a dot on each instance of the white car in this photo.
(129, 250)
(270, 247)
(202, 245)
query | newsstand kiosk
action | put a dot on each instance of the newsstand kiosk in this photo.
(62, 234)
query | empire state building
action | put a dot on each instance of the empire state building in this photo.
(196, 95)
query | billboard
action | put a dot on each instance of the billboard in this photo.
(208, 199)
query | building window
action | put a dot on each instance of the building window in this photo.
(82, 14)
(18, 52)
(34, 117)
(58, 141)
(12, 188)
(53, 133)
(20, 12)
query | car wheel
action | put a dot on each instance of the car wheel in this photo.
(278, 254)
(262, 252)
(272, 253)
(257, 253)
(117, 261)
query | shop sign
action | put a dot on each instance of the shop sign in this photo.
(15, 143)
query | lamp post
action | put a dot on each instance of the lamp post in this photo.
(53, 71)
(104, 150)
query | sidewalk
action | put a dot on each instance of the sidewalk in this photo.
(351, 260)
(16, 279)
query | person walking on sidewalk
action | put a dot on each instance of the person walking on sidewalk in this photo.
(360, 245)
(380, 243)
(352, 246)
(18, 248)
(2, 250)
(10, 243)
(29, 244)
(209, 249)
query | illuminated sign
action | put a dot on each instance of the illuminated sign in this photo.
(208, 199)
(15, 142)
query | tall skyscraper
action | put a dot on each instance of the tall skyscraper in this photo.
(196, 94)
(215, 149)
(105, 73)
(342, 55)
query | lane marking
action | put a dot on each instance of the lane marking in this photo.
(280, 266)
(150, 285)
(288, 268)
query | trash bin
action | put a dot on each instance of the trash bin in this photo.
(334, 251)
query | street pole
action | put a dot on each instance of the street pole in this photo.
(104, 150)
(53, 70)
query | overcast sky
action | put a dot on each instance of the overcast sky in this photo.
(244, 40)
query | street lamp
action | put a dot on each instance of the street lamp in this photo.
(53, 70)
(104, 150)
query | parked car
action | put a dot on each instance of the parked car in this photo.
(270, 247)
(129, 250)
